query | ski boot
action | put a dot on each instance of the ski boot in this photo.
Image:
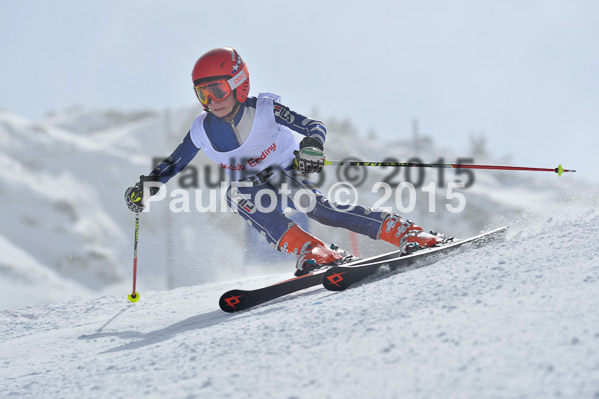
(311, 253)
(409, 237)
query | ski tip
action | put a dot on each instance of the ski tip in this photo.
(231, 301)
(133, 297)
(333, 279)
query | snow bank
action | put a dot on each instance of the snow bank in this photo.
(25, 280)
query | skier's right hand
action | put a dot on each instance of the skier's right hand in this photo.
(134, 197)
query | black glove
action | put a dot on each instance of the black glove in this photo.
(134, 197)
(134, 194)
(310, 157)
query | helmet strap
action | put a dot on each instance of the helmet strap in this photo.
(231, 115)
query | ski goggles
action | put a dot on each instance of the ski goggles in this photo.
(219, 90)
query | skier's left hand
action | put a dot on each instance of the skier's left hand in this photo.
(310, 157)
(134, 196)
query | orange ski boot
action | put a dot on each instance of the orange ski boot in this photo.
(311, 252)
(409, 237)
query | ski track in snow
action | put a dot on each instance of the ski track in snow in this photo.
(512, 319)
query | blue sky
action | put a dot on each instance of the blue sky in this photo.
(525, 74)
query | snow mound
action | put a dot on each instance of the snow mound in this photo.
(25, 277)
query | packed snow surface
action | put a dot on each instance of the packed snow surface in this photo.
(513, 319)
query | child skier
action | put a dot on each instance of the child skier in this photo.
(251, 138)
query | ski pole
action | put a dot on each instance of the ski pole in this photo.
(559, 170)
(134, 296)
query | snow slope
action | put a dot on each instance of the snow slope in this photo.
(62, 180)
(515, 319)
(27, 276)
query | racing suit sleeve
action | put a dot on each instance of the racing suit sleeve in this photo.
(174, 163)
(302, 124)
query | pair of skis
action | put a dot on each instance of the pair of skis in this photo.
(339, 278)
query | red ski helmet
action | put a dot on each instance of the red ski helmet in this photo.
(222, 64)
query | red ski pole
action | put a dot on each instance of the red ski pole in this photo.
(134, 296)
(559, 170)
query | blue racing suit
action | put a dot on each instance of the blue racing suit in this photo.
(272, 224)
